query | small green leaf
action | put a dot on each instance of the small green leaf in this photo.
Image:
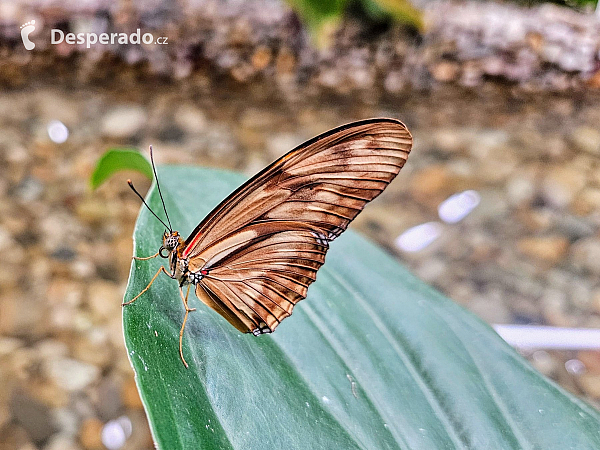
(321, 17)
(372, 359)
(117, 159)
(400, 10)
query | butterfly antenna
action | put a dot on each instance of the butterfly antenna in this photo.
(160, 193)
(144, 202)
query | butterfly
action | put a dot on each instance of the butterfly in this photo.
(255, 255)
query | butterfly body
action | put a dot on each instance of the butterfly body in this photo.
(254, 256)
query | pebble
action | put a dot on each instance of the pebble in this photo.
(590, 383)
(585, 255)
(549, 249)
(130, 395)
(61, 441)
(561, 184)
(91, 434)
(587, 139)
(33, 416)
(70, 374)
(123, 122)
(191, 119)
(490, 307)
(591, 361)
(104, 299)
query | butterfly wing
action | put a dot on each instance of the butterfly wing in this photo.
(263, 245)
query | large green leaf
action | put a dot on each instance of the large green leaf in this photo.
(373, 358)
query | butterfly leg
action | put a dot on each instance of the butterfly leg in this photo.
(141, 258)
(187, 311)
(162, 269)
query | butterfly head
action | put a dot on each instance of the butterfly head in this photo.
(171, 241)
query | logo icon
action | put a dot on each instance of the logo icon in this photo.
(26, 30)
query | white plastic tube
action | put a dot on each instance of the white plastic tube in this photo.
(554, 338)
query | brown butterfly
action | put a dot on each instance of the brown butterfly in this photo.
(254, 256)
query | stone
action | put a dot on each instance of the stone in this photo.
(33, 416)
(591, 361)
(585, 255)
(22, 315)
(596, 301)
(549, 249)
(554, 306)
(104, 299)
(261, 57)
(587, 139)
(94, 211)
(587, 202)
(191, 119)
(9, 345)
(61, 441)
(590, 384)
(90, 434)
(123, 121)
(490, 307)
(521, 189)
(545, 362)
(281, 143)
(492, 206)
(109, 402)
(430, 182)
(93, 347)
(445, 71)
(66, 420)
(561, 184)
(130, 395)
(70, 374)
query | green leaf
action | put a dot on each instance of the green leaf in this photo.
(117, 159)
(400, 10)
(322, 17)
(372, 359)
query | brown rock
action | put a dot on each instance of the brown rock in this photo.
(550, 249)
(561, 184)
(591, 361)
(90, 434)
(22, 315)
(590, 383)
(191, 119)
(94, 210)
(587, 202)
(596, 301)
(104, 299)
(286, 61)
(61, 441)
(587, 139)
(70, 374)
(94, 348)
(433, 184)
(445, 71)
(585, 255)
(130, 395)
(261, 57)
(32, 415)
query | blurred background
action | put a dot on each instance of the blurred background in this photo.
(502, 100)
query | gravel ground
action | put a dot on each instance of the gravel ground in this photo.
(545, 48)
(527, 254)
(500, 100)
